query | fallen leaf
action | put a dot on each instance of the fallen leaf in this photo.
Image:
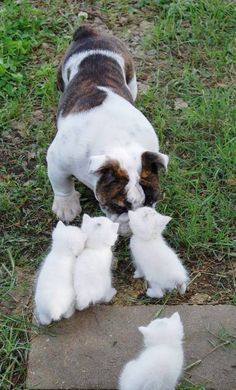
(180, 103)
(31, 155)
(185, 23)
(45, 45)
(199, 298)
(145, 25)
(142, 88)
(38, 115)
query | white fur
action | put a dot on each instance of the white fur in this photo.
(116, 129)
(55, 296)
(133, 87)
(153, 258)
(160, 364)
(92, 277)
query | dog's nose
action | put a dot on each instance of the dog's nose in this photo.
(136, 197)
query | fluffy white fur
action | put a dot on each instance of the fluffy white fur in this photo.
(55, 296)
(160, 364)
(115, 129)
(152, 256)
(92, 276)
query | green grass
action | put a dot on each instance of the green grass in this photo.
(188, 53)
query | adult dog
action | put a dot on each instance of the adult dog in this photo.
(102, 139)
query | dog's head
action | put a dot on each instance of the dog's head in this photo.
(126, 182)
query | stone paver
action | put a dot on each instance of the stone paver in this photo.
(89, 350)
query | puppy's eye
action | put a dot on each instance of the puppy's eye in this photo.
(99, 224)
(109, 177)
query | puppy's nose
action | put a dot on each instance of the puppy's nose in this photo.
(136, 196)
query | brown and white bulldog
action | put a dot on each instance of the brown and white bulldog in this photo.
(102, 139)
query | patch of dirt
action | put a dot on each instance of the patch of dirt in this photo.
(18, 298)
(210, 283)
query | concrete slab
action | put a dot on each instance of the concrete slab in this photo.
(89, 350)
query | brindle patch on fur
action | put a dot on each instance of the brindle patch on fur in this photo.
(82, 93)
(110, 189)
(86, 38)
(97, 70)
(149, 179)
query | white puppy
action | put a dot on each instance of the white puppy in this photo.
(55, 296)
(153, 258)
(160, 364)
(92, 277)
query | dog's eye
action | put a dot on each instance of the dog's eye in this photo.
(99, 224)
(109, 177)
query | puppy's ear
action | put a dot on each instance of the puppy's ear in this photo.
(60, 225)
(86, 218)
(143, 330)
(153, 161)
(175, 316)
(165, 219)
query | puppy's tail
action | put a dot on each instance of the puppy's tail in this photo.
(83, 32)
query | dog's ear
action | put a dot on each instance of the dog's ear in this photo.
(153, 161)
(110, 169)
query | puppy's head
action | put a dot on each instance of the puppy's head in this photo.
(100, 231)
(146, 223)
(126, 182)
(68, 237)
(167, 331)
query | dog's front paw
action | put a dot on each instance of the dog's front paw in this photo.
(67, 207)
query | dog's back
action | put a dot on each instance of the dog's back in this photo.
(94, 60)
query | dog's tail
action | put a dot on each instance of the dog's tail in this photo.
(83, 32)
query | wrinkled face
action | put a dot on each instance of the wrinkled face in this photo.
(118, 191)
(111, 188)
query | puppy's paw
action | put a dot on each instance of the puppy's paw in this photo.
(68, 207)
(182, 288)
(82, 304)
(110, 295)
(69, 312)
(138, 274)
(154, 293)
(42, 318)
